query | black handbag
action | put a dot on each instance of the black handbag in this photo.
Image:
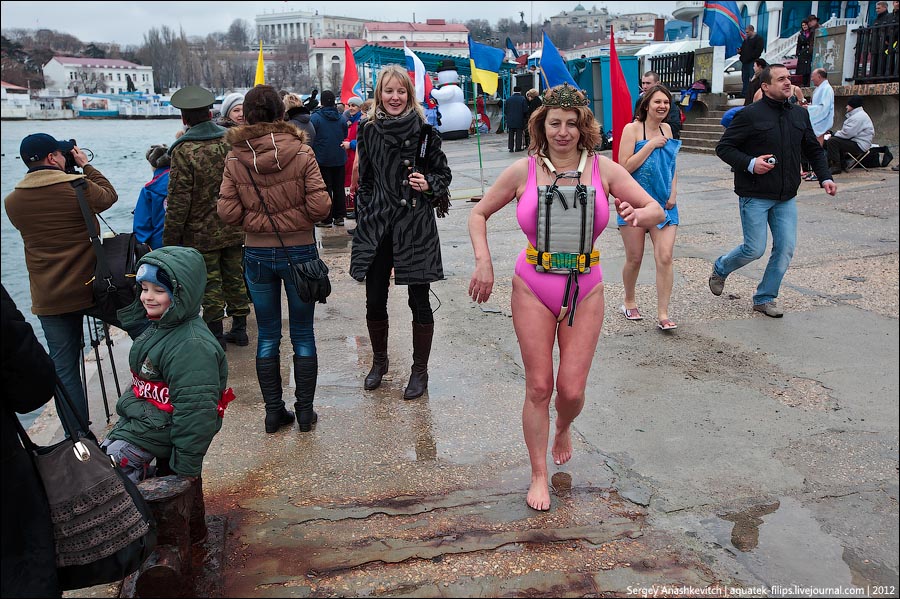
(113, 284)
(309, 278)
(103, 528)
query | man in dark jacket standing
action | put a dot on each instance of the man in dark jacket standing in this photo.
(58, 255)
(750, 50)
(515, 110)
(763, 146)
(198, 161)
(331, 131)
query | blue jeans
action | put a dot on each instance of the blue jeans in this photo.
(756, 214)
(265, 269)
(746, 76)
(65, 339)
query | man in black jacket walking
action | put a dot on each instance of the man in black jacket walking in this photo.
(763, 146)
(751, 49)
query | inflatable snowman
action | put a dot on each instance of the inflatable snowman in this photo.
(455, 115)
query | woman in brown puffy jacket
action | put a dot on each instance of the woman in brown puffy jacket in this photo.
(274, 155)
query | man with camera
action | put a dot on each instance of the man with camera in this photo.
(58, 255)
(763, 146)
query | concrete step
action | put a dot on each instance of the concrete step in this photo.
(705, 121)
(704, 127)
(699, 141)
(698, 150)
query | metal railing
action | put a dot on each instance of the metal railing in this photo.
(877, 58)
(676, 71)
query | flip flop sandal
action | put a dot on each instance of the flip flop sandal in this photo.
(630, 313)
(666, 325)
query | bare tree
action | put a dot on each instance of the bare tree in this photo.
(239, 35)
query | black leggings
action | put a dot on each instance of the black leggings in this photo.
(378, 281)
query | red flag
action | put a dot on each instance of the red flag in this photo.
(621, 97)
(350, 86)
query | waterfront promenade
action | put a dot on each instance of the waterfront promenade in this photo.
(740, 451)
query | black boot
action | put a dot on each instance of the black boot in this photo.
(216, 328)
(268, 372)
(238, 332)
(418, 379)
(378, 334)
(306, 370)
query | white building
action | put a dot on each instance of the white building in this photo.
(436, 36)
(14, 101)
(280, 28)
(96, 75)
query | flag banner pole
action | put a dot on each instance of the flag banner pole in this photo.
(478, 140)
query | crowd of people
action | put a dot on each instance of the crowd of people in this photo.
(232, 205)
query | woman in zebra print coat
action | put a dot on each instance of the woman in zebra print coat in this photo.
(396, 227)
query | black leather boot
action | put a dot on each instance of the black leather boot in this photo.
(217, 330)
(238, 332)
(306, 371)
(418, 379)
(269, 374)
(378, 334)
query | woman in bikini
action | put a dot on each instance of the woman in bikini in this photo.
(648, 152)
(563, 134)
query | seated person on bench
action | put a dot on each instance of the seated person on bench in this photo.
(854, 138)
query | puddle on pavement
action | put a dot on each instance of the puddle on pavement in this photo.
(745, 534)
(782, 544)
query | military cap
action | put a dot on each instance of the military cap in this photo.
(192, 97)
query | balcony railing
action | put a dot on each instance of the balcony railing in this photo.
(676, 71)
(877, 59)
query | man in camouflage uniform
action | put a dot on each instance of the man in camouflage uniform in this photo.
(198, 161)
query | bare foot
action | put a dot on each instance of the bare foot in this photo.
(538, 495)
(562, 445)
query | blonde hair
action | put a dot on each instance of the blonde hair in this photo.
(395, 71)
(532, 93)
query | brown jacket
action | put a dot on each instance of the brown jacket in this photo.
(58, 253)
(287, 175)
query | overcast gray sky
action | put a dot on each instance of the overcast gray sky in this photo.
(126, 22)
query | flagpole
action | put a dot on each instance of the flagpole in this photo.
(478, 140)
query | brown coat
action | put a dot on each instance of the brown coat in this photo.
(58, 253)
(287, 175)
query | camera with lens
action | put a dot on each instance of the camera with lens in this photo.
(772, 160)
(71, 165)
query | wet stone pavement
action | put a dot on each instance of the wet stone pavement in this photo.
(741, 454)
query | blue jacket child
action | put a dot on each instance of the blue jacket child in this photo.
(150, 211)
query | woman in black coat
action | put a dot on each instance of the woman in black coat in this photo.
(29, 377)
(396, 227)
(805, 40)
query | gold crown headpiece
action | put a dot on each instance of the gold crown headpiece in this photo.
(564, 96)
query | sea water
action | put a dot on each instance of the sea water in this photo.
(119, 147)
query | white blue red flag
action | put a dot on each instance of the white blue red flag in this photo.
(420, 78)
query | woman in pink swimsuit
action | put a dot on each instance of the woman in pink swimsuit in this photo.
(560, 130)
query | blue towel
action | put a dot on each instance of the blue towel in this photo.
(656, 175)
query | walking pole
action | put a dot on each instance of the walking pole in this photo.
(112, 359)
(478, 139)
(95, 343)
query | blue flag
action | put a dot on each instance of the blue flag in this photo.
(553, 67)
(724, 22)
(512, 47)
